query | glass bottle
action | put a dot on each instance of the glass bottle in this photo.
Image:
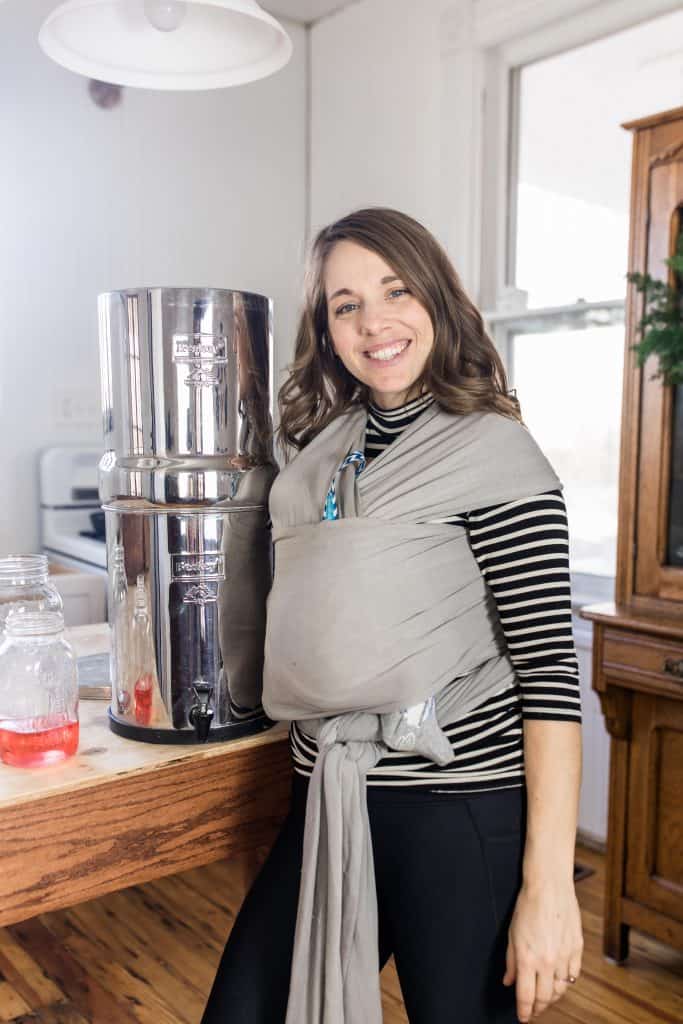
(25, 585)
(140, 655)
(118, 619)
(38, 690)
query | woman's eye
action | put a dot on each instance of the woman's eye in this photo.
(347, 305)
(343, 308)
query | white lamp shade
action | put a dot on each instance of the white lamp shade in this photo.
(217, 43)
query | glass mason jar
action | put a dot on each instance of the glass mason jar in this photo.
(38, 690)
(26, 586)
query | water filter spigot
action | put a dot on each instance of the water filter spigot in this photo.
(201, 713)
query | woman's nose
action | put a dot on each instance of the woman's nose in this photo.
(371, 320)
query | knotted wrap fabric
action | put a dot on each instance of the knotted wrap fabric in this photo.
(368, 616)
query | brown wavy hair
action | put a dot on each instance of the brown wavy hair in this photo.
(463, 371)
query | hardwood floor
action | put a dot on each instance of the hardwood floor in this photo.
(147, 955)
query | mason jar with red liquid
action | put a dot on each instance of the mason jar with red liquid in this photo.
(38, 691)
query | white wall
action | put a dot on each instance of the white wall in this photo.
(375, 110)
(593, 802)
(200, 188)
(397, 97)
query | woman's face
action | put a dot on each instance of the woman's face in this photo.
(379, 330)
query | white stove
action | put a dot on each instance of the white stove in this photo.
(72, 522)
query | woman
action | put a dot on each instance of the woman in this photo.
(459, 761)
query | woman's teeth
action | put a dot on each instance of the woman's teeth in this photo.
(385, 354)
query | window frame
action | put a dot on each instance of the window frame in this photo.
(507, 38)
(499, 300)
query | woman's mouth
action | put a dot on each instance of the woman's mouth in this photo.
(389, 354)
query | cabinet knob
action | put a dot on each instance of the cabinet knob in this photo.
(674, 667)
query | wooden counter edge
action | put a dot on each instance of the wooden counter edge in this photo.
(169, 756)
(631, 617)
(77, 844)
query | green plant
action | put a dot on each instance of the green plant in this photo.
(661, 327)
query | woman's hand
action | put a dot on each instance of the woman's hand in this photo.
(545, 945)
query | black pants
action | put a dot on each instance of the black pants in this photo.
(448, 869)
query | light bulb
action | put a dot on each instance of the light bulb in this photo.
(166, 15)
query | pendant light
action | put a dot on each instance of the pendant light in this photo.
(166, 44)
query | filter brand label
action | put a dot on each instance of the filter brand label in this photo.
(197, 567)
(203, 353)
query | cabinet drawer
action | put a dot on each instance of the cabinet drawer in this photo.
(647, 660)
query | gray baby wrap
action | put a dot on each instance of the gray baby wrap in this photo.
(380, 630)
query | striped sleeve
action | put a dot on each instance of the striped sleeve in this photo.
(522, 549)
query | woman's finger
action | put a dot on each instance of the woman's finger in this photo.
(544, 990)
(526, 989)
(575, 963)
(559, 983)
(510, 964)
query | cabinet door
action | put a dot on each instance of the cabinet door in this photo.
(659, 490)
(654, 861)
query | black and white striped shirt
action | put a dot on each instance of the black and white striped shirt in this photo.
(522, 549)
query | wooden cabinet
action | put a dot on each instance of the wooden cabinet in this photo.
(638, 638)
(654, 855)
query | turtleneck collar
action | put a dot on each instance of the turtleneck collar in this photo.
(408, 408)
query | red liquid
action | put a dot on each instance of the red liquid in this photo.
(25, 745)
(143, 699)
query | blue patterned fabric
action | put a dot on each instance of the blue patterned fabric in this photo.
(331, 509)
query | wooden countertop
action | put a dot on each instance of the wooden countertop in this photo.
(631, 617)
(121, 812)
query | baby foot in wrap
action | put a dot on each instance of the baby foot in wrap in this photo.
(417, 729)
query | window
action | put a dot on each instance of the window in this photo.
(570, 378)
(560, 325)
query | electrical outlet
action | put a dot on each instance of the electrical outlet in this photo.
(76, 408)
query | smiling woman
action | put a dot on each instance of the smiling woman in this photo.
(419, 618)
(377, 278)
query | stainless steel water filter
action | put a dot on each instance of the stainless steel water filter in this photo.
(187, 401)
